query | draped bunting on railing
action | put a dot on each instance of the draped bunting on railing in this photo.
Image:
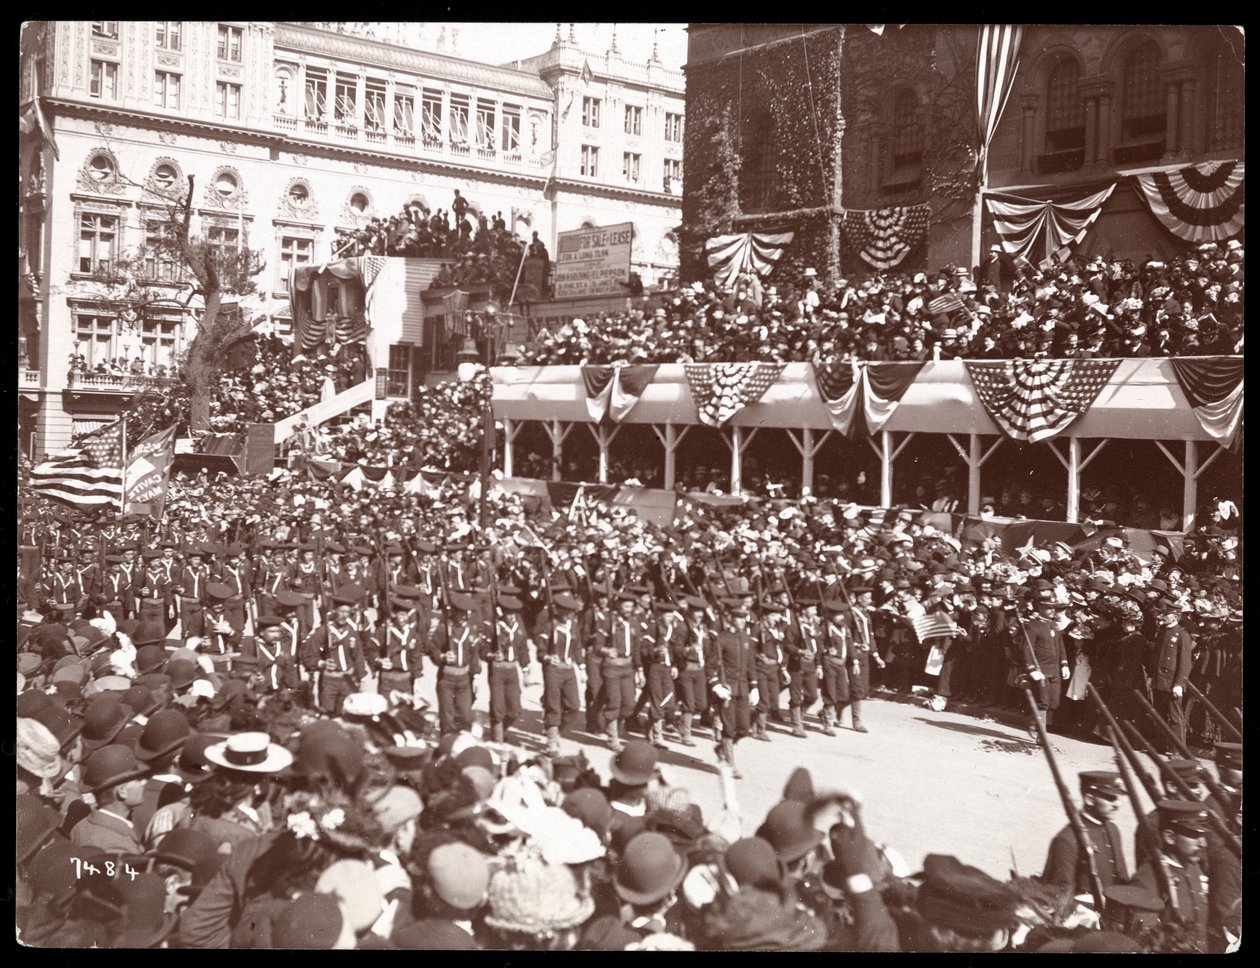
(614, 390)
(1020, 222)
(997, 62)
(840, 386)
(1214, 387)
(729, 255)
(879, 387)
(722, 390)
(884, 386)
(1201, 203)
(884, 237)
(315, 320)
(1035, 400)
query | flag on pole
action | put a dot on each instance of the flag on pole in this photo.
(996, 66)
(588, 75)
(148, 474)
(950, 302)
(87, 474)
(934, 626)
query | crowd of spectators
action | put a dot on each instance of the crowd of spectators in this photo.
(1191, 305)
(483, 251)
(120, 369)
(368, 830)
(439, 429)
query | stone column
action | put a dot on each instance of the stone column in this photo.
(1091, 130)
(1172, 123)
(1027, 144)
(1104, 126)
(1189, 118)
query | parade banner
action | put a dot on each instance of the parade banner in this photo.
(593, 262)
(149, 473)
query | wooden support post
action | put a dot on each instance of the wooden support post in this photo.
(808, 448)
(557, 432)
(1073, 481)
(1190, 487)
(603, 438)
(738, 442)
(670, 440)
(887, 454)
(510, 429)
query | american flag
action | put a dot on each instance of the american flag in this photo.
(933, 626)
(1034, 400)
(87, 474)
(721, 390)
(951, 302)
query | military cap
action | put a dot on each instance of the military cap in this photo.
(350, 594)
(836, 605)
(219, 591)
(1188, 770)
(1102, 782)
(334, 547)
(1183, 816)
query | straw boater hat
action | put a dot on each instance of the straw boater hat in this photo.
(249, 753)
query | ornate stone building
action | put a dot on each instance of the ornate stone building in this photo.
(294, 132)
(793, 124)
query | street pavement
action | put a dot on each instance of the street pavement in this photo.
(929, 782)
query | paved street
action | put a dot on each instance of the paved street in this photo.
(930, 782)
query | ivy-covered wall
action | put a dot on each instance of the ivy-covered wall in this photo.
(766, 120)
(936, 64)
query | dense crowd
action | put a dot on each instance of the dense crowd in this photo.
(1082, 308)
(358, 819)
(483, 251)
(439, 429)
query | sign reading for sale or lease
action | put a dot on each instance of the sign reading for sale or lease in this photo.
(593, 262)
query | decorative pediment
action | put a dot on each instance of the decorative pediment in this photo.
(358, 207)
(297, 201)
(99, 173)
(226, 190)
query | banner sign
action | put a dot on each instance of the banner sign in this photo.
(593, 262)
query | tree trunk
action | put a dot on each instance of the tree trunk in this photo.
(201, 367)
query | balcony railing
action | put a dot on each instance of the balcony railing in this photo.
(409, 143)
(28, 378)
(117, 383)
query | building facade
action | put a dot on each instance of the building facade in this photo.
(293, 133)
(794, 124)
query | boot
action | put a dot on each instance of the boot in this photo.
(759, 731)
(829, 721)
(684, 730)
(496, 732)
(856, 708)
(728, 750)
(553, 741)
(614, 737)
(798, 722)
(658, 735)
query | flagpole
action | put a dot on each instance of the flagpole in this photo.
(122, 502)
(519, 269)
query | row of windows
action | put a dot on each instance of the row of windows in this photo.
(468, 122)
(100, 339)
(633, 119)
(631, 167)
(99, 245)
(103, 85)
(168, 35)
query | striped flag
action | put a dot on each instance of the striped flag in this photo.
(87, 474)
(1034, 400)
(149, 472)
(950, 302)
(934, 626)
(996, 64)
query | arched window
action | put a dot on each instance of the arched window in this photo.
(1065, 118)
(1143, 106)
(756, 175)
(1227, 82)
(903, 167)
